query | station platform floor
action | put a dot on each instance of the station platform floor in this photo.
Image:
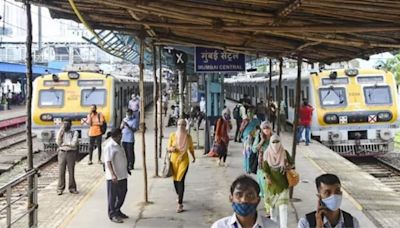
(207, 191)
(15, 111)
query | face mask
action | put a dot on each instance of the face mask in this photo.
(67, 127)
(333, 202)
(244, 209)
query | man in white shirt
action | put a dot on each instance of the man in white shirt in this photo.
(245, 197)
(134, 105)
(328, 213)
(116, 167)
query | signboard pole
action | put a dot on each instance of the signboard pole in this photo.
(180, 77)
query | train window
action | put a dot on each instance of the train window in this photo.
(369, 79)
(332, 96)
(52, 97)
(291, 97)
(377, 95)
(93, 96)
(328, 81)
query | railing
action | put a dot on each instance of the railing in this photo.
(7, 191)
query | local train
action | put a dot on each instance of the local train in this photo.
(70, 95)
(356, 111)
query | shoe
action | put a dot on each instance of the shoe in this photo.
(90, 163)
(307, 144)
(99, 162)
(59, 192)
(116, 219)
(219, 162)
(179, 209)
(123, 216)
(73, 191)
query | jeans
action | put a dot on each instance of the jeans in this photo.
(300, 132)
(238, 123)
(261, 117)
(116, 193)
(93, 140)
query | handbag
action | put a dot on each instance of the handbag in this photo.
(292, 177)
(167, 168)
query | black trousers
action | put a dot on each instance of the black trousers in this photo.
(116, 193)
(93, 140)
(130, 153)
(180, 187)
(238, 123)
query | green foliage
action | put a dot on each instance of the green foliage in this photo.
(392, 65)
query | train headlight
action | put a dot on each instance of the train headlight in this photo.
(351, 72)
(46, 117)
(331, 118)
(385, 134)
(73, 75)
(335, 136)
(384, 116)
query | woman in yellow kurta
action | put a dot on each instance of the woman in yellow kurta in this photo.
(179, 143)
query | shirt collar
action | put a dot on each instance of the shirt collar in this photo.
(233, 220)
(328, 224)
(113, 143)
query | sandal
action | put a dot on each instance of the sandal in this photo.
(179, 209)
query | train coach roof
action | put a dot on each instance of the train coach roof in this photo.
(324, 31)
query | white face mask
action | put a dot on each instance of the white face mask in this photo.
(333, 202)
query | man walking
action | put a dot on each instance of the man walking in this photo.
(128, 127)
(67, 142)
(261, 110)
(116, 176)
(305, 114)
(95, 120)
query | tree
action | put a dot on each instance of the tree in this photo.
(392, 65)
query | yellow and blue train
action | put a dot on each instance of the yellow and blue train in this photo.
(356, 111)
(70, 95)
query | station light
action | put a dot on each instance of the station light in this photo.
(351, 72)
(331, 119)
(73, 75)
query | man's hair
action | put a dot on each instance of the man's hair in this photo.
(115, 132)
(129, 111)
(247, 182)
(67, 120)
(93, 105)
(328, 179)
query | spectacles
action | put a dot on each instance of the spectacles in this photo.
(276, 141)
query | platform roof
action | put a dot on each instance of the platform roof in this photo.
(320, 30)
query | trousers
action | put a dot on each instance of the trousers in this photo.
(92, 141)
(66, 159)
(280, 211)
(130, 153)
(180, 187)
(116, 193)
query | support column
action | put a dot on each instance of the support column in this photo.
(279, 98)
(142, 120)
(155, 100)
(269, 96)
(161, 103)
(296, 114)
(181, 99)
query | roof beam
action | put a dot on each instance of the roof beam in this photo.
(292, 6)
(148, 29)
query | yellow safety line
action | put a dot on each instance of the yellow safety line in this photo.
(81, 203)
(84, 22)
(346, 194)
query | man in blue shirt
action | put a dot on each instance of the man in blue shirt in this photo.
(128, 127)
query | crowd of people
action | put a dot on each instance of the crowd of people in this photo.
(11, 98)
(264, 157)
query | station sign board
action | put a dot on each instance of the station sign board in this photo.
(208, 60)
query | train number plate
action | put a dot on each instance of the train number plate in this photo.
(57, 121)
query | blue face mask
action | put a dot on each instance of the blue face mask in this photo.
(244, 209)
(333, 202)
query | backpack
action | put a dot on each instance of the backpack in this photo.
(236, 112)
(103, 127)
(348, 219)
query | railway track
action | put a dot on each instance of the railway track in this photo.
(387, 173)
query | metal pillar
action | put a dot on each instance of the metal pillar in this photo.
(155, 100)
(279, 98)
(181, 98)
(161, 104)
(269, 96)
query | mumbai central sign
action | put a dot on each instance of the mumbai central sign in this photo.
(209, 60)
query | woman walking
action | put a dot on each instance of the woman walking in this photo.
(276, 162)
(223, 126)
(179, 143)
(248, 129)
(260, 144)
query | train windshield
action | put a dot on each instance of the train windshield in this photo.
(93, 96)
(332, 96)
(51, 97)
(377, 95)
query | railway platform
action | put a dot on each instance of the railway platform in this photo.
(15, 116)
(207, 191)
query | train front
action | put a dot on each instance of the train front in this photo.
(356, 111)
(67, 95)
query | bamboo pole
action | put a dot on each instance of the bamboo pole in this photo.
(142, 117)
(161, 103)
(296, 114)
(269, 90)
(279, 98)
(31, 205)
(155, 100)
